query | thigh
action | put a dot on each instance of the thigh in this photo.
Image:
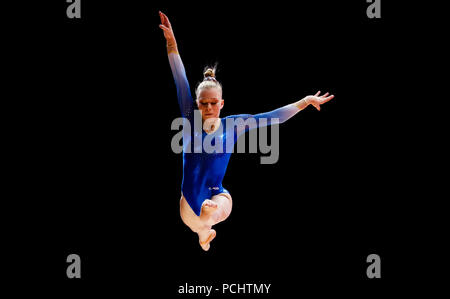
(189, 217)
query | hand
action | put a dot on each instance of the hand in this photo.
(317, 100)
(167, 28)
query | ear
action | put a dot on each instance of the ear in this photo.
(222, 102)
(197, 103)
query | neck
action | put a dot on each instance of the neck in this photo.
(211, 125)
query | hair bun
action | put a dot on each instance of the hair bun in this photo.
(209, 73)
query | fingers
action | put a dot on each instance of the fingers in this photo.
(163, 27)
(165, 20)
(327, 99)
(317, 101)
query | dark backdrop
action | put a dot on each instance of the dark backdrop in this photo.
(97, 176)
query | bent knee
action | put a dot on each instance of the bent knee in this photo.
(225, 200)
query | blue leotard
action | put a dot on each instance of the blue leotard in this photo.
(203, 172)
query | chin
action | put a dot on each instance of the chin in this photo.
(209, 116)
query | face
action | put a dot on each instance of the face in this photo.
(210, 103)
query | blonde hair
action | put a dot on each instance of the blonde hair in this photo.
(209, 81)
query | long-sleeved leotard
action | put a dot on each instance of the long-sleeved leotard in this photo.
(203, 172)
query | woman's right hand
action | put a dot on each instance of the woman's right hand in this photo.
(168, 32)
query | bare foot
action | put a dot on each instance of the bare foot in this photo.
(205, 238)
(209, 207)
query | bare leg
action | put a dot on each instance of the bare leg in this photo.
(213, 211)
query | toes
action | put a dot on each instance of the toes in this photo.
(209, 205)
(212, 235)
(206, 244)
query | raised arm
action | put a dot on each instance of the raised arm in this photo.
(179, 74)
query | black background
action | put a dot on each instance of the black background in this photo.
(93, 172)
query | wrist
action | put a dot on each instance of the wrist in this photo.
(302, 104)
(171, 46)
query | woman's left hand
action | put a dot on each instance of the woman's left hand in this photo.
(317, 100)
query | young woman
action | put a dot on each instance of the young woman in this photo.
(204, 202)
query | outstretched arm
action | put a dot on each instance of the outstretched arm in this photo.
(179, 74)
(280, 115)
(288, 111)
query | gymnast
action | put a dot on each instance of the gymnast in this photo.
(204, 201)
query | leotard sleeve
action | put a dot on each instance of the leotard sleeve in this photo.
(273, 117)
(183, 91)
